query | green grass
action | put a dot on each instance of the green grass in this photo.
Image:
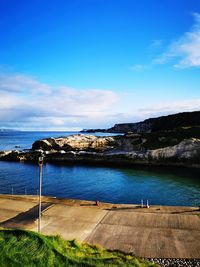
(26, 248)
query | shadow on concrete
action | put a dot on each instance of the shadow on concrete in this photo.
(90, 204)
(186, 211)
(124, 208)
(24, 219)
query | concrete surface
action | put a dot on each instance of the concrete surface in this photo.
(157, 232)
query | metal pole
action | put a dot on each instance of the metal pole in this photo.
(147, 203)
(40, 194)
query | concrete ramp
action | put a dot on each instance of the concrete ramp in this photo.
(150, 235)
(157, 232)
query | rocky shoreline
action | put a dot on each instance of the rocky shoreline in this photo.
(172, 140)
(130, 149)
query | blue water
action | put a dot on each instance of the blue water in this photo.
(164, 186)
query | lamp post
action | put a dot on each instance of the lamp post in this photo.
(40, 162)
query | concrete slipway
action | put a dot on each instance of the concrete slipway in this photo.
(157, 232)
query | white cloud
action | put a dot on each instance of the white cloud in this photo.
(33, 108)
(164, 108)
(156, 110)
(184, 52)
(21, 83)
(25, 102)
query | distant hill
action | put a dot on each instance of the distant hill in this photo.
(164, 123)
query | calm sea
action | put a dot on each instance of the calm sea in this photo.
(165, 186)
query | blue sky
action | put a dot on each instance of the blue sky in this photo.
(73, 64)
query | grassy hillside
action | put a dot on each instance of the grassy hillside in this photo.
(25, 248)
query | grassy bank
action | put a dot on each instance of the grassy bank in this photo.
(25, 248)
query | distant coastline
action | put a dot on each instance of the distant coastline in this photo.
(8, 130)
(163, 123)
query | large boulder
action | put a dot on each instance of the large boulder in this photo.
(75, 142)
(46, 144)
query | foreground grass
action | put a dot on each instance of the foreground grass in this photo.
(26, 248)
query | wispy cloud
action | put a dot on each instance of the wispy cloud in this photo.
(184, 52)
(138, 67)
(21, 83)
(158, 109)
(164, 108)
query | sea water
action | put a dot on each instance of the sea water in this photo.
(161, 186)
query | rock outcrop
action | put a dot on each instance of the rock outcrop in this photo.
(185, 151)
(129, 149)
(75, 143)
(15, 155)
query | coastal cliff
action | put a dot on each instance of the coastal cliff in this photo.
(164, 123)
(147, 145)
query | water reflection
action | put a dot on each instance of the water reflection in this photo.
(165, 186)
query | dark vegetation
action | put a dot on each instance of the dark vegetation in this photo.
(170, 138)
(164, 123)
(170, 122)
